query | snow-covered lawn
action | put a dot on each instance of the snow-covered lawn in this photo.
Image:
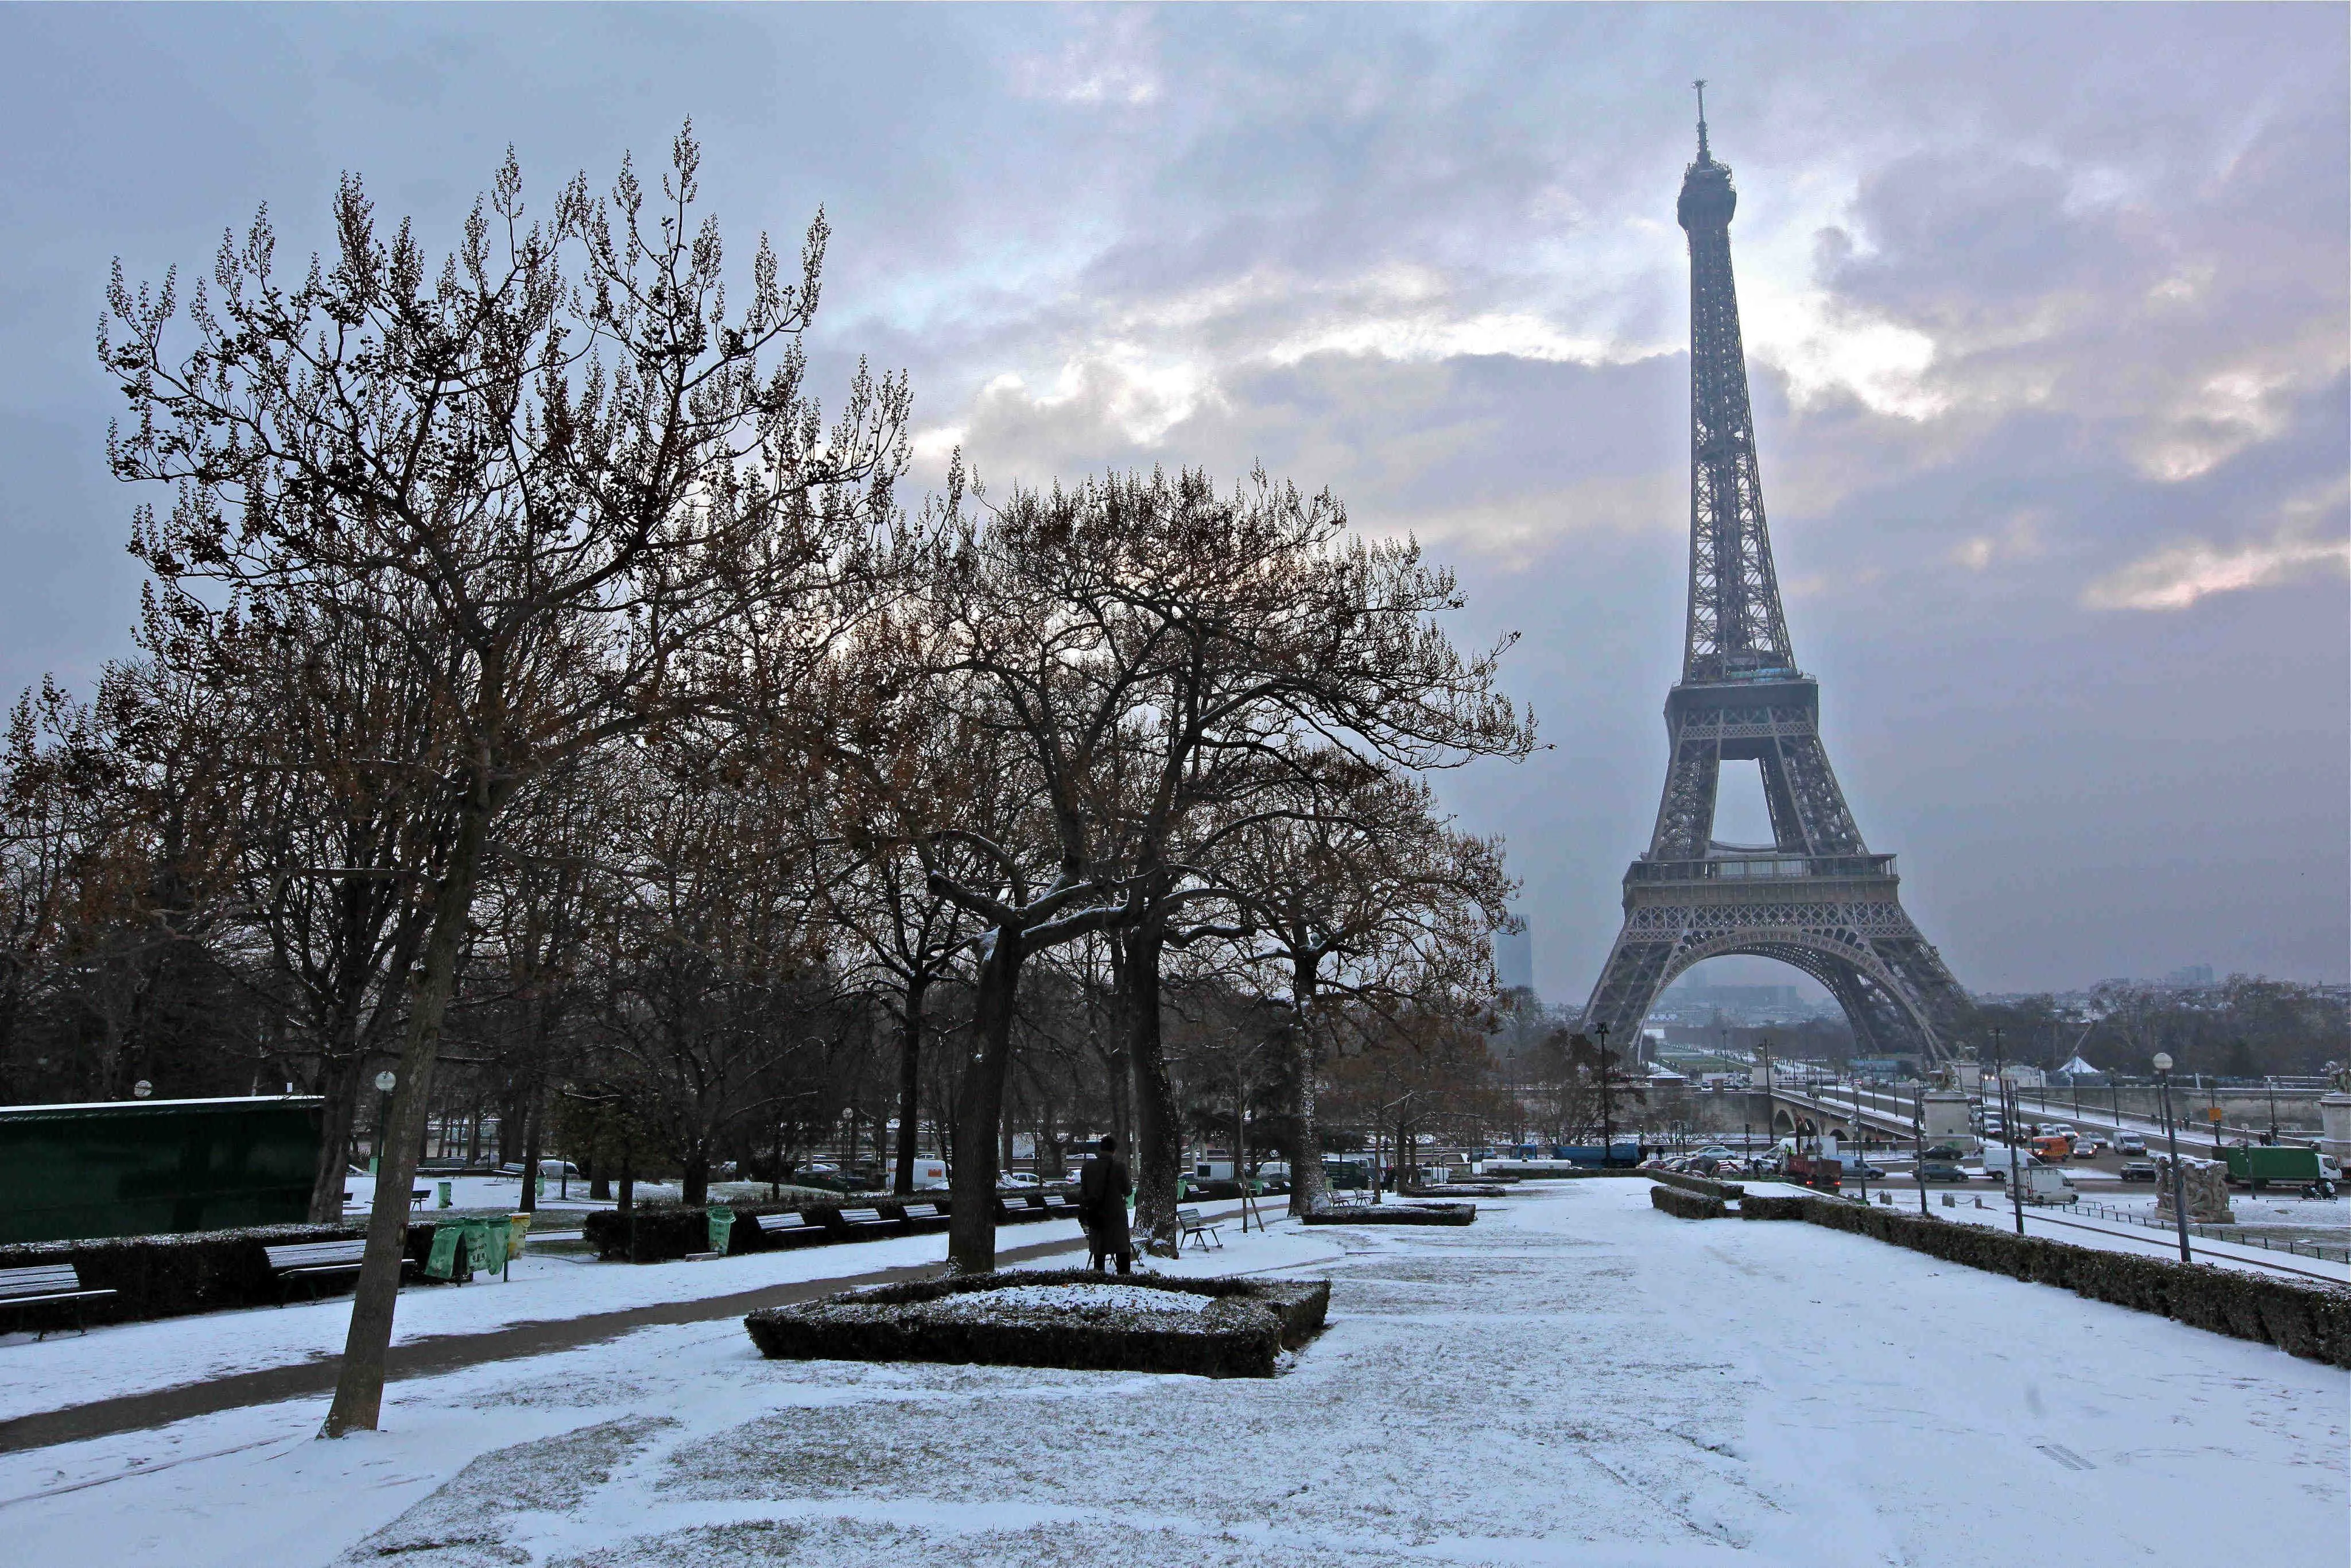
(133, 1358)
(1575, 1379)
(2084, 1226)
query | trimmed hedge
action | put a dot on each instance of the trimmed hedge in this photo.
(1705, 1187)
(1241, 1334)
(1782, 1206)
(2310, 1322)
(1687, 1204)
(664, 1232)
(1455, 1189)
(1395, 1214)
(173, 1275)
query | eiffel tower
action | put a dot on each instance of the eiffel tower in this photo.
(1815, 896)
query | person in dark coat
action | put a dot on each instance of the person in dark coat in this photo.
(1102, 1188)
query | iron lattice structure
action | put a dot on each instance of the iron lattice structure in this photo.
(1815, 896)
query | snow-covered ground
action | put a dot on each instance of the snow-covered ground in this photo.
(1575, 1379)
(2086, 1228)
(134, 1358)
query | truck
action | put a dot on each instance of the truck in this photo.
(2258, 1165)
(2047, 1184)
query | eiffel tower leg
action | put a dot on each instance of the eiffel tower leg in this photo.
(1685, 811)
(1629, 982)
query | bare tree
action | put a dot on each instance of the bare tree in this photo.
(1368, 904)
(563, 476)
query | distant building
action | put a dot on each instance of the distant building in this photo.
(1514, 957)
(2189, 974)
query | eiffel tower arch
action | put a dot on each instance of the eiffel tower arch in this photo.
(1815, 898)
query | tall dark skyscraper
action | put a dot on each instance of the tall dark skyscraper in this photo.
(1813, 897)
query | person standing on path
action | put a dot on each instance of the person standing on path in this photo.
(1102, 1188)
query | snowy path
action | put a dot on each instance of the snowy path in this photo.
(1575, 1379)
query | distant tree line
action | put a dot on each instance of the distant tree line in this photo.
(2246, 1027)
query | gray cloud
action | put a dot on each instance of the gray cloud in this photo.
(2046, 310)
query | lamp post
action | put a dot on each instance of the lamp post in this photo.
(2007, 1113)
(2171, 1139)
(2272, 1088)
(1918, 1133)
(1607, 1115)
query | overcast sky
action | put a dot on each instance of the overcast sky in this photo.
(2045, 314)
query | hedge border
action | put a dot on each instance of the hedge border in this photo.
(1395, 1214)
(2310, 1322)
(1705, 1187)
(1242, 1333)
(176, 1275)
(664, 1232)
(1687, 1204)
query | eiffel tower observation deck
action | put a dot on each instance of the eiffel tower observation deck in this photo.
(1815, 898)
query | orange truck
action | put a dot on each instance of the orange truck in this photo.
(2054, 1149)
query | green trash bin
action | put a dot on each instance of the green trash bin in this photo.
(486, 1245)
(440, 1262)
(722, 1227)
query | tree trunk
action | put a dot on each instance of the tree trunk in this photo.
(695, 1184)
(910, 1083)
(1310, 1183)
(1158, 1123)
(341, 1089)
(534, 1125)
(980, 1108)
(359, 1385)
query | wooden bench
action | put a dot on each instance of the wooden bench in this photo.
(311, 1262)
(1190, 1224)
(47, 1284)
(786, 1223)
(856, 1217)
(921, 1211)
(1056, 1203)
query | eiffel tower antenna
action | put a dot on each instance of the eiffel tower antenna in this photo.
(1815, 896)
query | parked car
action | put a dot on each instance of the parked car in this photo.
(1950, 1154)
(2138, 1170)
(1941, 1170)
(2130, 1144)
(1015, 1178)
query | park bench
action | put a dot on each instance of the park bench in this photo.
(1191, 1225)
(785, 1224)
(311, 1262)
(1056, 1203)
(856, 1217)
(922, 1211)
(47, 1284)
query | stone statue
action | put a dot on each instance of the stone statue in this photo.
(2206, 1186)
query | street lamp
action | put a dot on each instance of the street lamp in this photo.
(1918, 1131)
(2171, 1139)
(2008, 1114)
(1607, 1117)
